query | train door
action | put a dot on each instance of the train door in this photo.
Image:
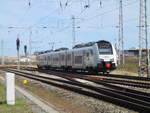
(59, 60)
(72, 59)
(78, 59)
(86, 58)
(65, 59)
(52, 60)
(68, 59)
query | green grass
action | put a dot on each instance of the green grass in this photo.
(131, 64)
(20, 106)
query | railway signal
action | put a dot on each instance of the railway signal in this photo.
(25, 50)
(18, 46)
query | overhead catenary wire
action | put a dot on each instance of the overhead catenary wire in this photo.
(95, 17)
(126, 24)
(87, 19)
(77, 22)
(69, 26)
(109, 11)
(85, 8)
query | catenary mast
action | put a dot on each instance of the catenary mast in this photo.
(144, 66)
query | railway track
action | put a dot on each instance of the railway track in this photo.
(102, 75)
(131, 99)
(101, 79)
(111, 86)
(142, 82)
(128, 83)
(139, 82)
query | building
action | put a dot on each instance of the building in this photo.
(23, 59)
(133, 52)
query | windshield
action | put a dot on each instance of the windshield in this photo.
(105, 48)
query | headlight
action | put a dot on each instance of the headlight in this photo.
(101, 59)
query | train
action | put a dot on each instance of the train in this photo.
(99, 56)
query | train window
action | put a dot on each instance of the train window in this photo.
(78, 59)
(105, 48)
(88, 55)
(91, 52)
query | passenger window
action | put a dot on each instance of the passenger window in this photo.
(78, 59)
(88, 56)
(91, 52)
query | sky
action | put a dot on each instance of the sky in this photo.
(50, 21)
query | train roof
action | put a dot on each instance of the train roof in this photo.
(63, 48)
(88, 44)
(75, 47)
(84, 45)
(49, 51)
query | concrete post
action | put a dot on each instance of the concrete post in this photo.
(10, 88)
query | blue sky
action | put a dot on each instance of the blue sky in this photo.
(96, 23)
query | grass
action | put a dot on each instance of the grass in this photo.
(20, 106)
(131, 64)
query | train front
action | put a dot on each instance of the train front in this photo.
(107, 56)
